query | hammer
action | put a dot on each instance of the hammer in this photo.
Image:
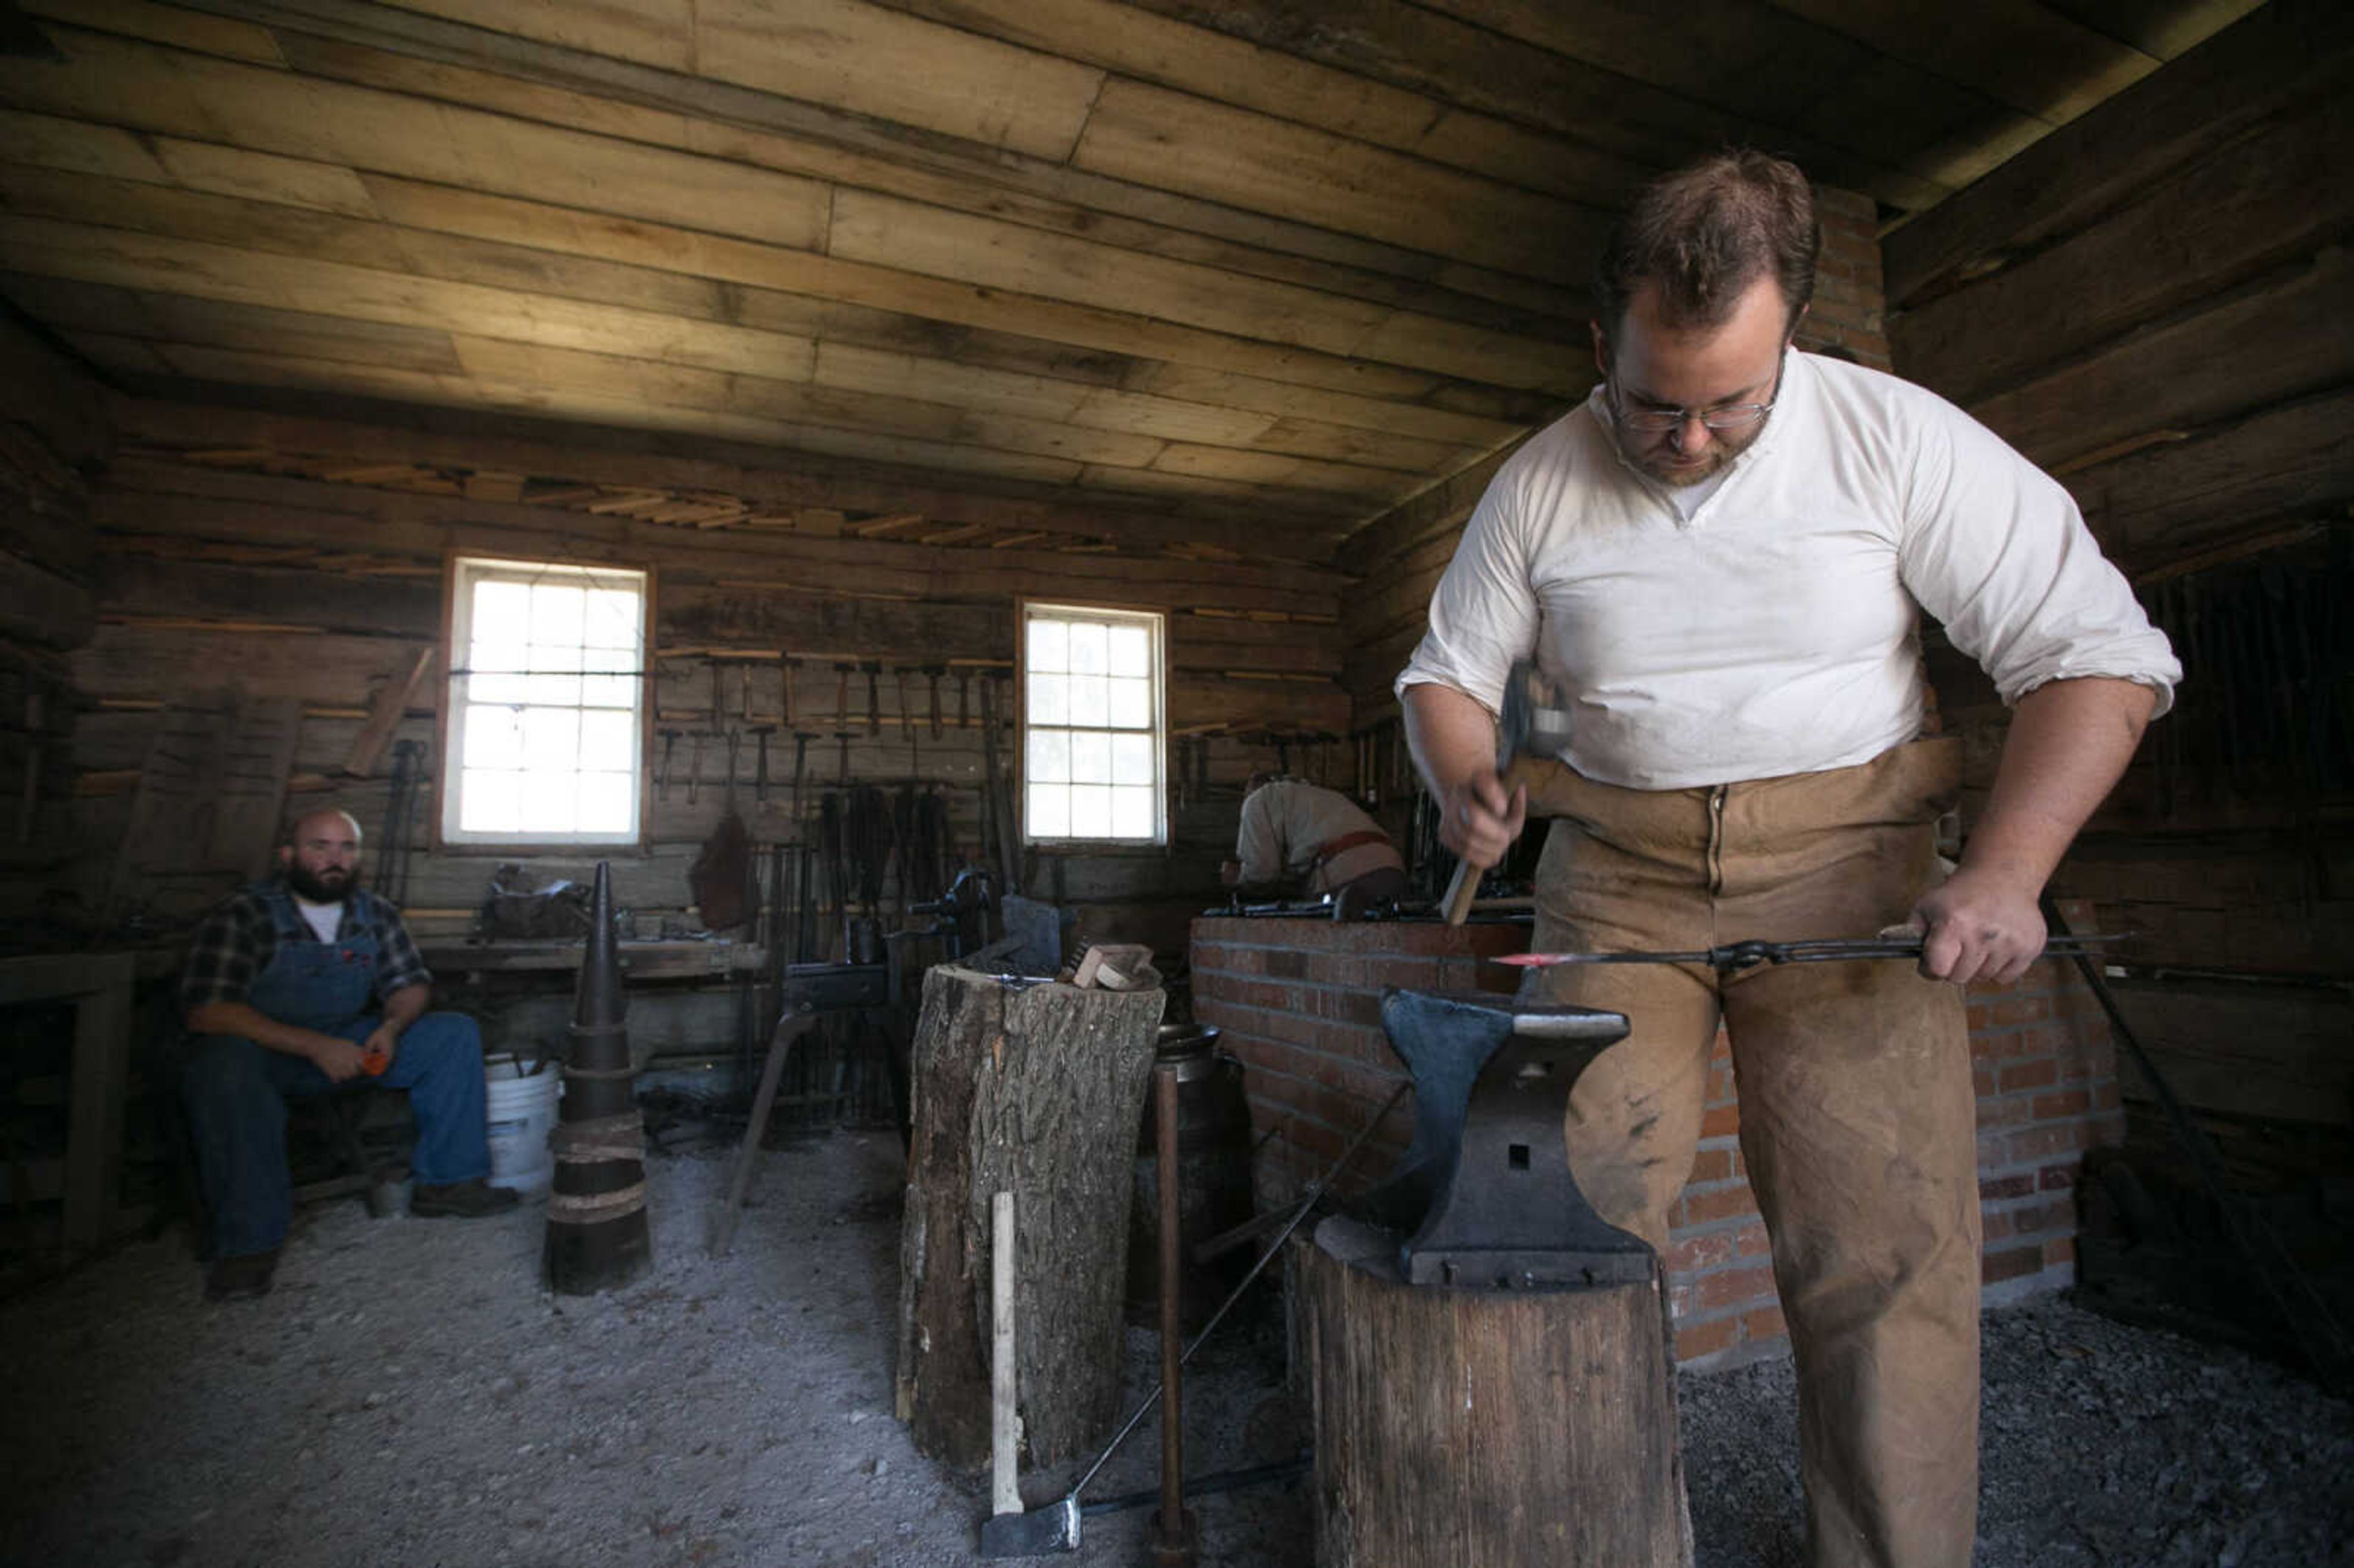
(1535, 717)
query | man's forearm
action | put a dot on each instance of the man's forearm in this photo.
(407, 1006)
(1450, 736)
(242, 1019)
(2069, 743)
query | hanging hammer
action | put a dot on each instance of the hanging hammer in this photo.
(669, 746)
(760, 790)
(874, 668)
(934, 671)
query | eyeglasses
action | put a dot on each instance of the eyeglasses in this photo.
(1728, 417)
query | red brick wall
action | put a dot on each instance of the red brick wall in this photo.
(1846, 312)
(1299, 1003)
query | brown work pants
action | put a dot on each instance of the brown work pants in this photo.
(1857, 1116)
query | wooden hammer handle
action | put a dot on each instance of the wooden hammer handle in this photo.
(1461, 891)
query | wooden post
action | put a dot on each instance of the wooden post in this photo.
(1032, 1088)
(1482, 1428)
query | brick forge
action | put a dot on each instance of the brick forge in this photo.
(1299, 1003)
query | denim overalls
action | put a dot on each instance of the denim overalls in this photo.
(237, 1089)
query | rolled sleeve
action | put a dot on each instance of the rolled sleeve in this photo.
(398, 963)
(224, 955)
(1484, 613)
(1998, 552)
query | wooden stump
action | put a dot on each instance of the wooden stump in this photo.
(1034, 1089)
(1487, 1428)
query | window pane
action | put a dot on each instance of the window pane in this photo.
(553, 691)
(1050, 755)
(1050, 699)
(497, 656)
(1131, 703)
(1090, 811)
(516, 688)
(557, 613)
(1049, 643)
(501, 613)
(607, 691)
(606, 738)
(613, 619)
(551, 739)
(604, 803)
(1131, 759)
(559, 658)
(1050, 810)
(1131, 650)
(1132, 813)
(1090, 651)
(1090, 758)
(492, 801)
(494, 738)
(1088, 699)
(550, 804)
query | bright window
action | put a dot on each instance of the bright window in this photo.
(1093, 721)
(547, 721)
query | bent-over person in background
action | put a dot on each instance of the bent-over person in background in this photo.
(308, 984)
(1721, 555)
(1297, 838)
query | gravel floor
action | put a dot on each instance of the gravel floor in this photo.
(409, 1396)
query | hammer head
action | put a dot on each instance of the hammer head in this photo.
(1054, 1528)
(1534, 716)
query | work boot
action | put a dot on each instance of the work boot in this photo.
(460, 1200)
(248, 1274)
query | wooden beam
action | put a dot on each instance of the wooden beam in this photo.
(621, 456)
(385, 714)
(2276, 193)
(2292, 461)
(2278, 55)
(2284, 337)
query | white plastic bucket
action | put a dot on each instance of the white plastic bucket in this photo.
(522, 1114)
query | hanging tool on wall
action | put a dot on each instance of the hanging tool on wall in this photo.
(874, 668)
(933, 672)
(761, 732)
(392, 849)
(695, 766)
(669, 748)
(842, 674)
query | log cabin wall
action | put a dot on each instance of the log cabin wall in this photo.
(2152, 305)
(300, 558)
(53, 434)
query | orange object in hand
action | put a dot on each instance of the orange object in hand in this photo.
(374, 1062)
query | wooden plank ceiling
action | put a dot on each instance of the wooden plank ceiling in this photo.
(1263, 269)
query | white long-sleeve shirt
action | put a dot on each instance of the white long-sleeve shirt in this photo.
(1776, 630)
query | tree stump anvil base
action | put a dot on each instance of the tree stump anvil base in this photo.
(1491, 1363)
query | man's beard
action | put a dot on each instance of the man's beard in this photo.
(319, 891)
(1651, 462)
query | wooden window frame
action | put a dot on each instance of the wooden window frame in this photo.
(1158, 617)
(445, 769)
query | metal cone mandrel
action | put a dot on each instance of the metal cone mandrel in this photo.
(597, 1236)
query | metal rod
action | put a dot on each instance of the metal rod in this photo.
(1299, 1212)
(1175, 1540)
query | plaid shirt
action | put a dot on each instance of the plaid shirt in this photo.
(237, 940)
